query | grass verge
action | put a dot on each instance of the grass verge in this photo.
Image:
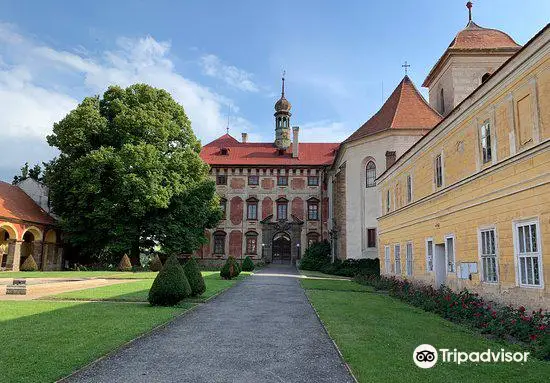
(378, 334)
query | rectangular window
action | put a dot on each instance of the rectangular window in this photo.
(397, 259)
(450, 253)
(387, 201)
(253, 180)
(313, 181)
(282, 211)
(409, 259)
(429, 255)
(387, 260)
(371, 238)
(488, 247)
(409, 189)
(282, 180)
(312, 211)
(219, 244)
(251, 244)
(528, 254)
(252, 211)
(438, 171)
(221, 179)
(485, 137)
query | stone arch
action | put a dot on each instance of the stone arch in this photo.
(51, 236)
(10, 229)
(36, 232)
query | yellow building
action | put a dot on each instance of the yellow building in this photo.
(468, 205)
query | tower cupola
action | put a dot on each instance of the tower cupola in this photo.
(282, 120)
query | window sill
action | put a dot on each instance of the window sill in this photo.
(538, 287)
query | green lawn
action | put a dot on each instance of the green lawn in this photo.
(79, 274)
(44, 341)
(318, 274)
(333, 284)
(139, 290)
(377, 335)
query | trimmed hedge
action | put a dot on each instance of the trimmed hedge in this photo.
(317, 258)
(170, 286)
(248, 265)
(194, 276)
(155, 264)
(29, 264)
(124, 264)
(230, 269)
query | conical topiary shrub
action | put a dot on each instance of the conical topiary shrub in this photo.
(248, 265)
(230, 269)
(194, 276)
(124, 264)
(155, 264)
(170, 286)
(29, 264)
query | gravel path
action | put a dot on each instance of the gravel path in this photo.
(262, 330)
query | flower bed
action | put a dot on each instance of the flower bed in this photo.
(515, 324)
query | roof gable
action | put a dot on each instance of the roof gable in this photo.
(16, 204)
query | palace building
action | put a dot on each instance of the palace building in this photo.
(468, 205)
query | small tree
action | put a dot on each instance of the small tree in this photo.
(155, 264)
(125, 264)
(29, 264)
(170, 286)
(194, 276)
(248, 265)
(230, 269)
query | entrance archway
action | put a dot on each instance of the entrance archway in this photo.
(281, 248)
(7, 235)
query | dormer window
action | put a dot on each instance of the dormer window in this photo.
(281, 152)
(224, 151)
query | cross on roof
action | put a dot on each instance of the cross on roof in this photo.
(406, 66)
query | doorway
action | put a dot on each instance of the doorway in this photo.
(281, 248)
(440, 265)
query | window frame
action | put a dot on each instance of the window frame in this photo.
(388, 201)
(252, 203)
(517, 254)
(312, 180)
(430, 260)
(223, 207)
(387, 259)
(372, 178)
(438, 171)
(219, 177)
(312, 237)
(368, 238)
(215, 237)
(313, 206)
(483, 256)
(249, 236)
(396, 258)
(447, 264)
(409, 190)
(486, 142)
(282, 203)
(409, 261)
(280, 180)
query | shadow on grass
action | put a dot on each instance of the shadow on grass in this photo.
(44, 341)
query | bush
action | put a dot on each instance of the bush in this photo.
(230, 269)
(170, 286)
(29, 264)
(316, 257)
(467, 308)
(248, 265)
(194, 276)
(155, 264)
(125, 264)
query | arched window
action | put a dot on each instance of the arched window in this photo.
(371, 174)
(251, 242)
(442, 101)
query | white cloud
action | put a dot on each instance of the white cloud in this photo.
(324, 131)
(38, 82)
(212, 66)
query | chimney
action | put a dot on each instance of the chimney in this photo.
(245, 138)
(295, 142)
(390, 159)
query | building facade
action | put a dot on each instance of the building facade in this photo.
(273, 195)
(26, 229)
(468, 205)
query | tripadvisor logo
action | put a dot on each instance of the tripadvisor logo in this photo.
(426, 356)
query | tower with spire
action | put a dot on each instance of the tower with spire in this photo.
(282, 120)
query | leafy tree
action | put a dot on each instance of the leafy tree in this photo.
(194, 276)
(26, 172)
(128, 160)
(170, 286)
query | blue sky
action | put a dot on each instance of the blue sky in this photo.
(342, 59)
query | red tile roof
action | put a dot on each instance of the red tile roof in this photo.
(16, 204)
(404, 109)
(265, 153)
(474, 38)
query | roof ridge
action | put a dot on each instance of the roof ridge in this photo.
(399, 98)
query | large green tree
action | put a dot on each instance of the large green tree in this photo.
(129, 175)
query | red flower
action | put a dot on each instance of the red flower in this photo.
(521, 309)
(542, 327)
(533, 337)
